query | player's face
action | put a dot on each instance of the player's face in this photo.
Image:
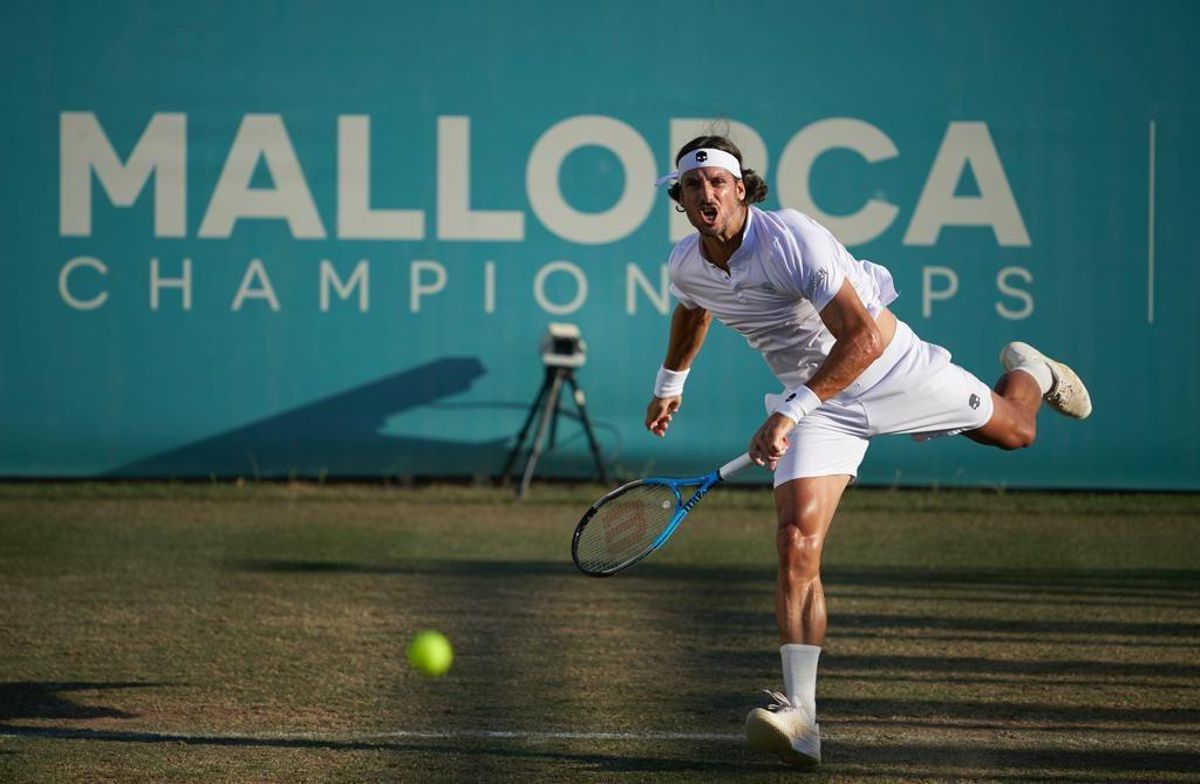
(713, 199)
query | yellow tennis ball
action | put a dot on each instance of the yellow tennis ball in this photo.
(430, 653)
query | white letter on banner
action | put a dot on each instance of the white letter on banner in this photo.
(262, 135)
(967, 143)
(795, 169)
(929, 294)
(1002, 283)
(635, 279)
(157, 282)
(539, 288)
(64, 290)
(456, 219)
(355, 218)
(255, 271)
(684, 129)
(541, 179)
(419, 289)
(360, 277)
(84, 148)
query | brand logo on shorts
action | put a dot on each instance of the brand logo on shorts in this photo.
(974, 401)
(701, 156)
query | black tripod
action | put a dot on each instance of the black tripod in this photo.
(547, 401)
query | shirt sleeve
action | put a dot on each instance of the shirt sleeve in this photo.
(674, 270)
(684, 299)
(816, 271)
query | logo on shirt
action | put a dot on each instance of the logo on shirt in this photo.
(701, 156)
(974, 401)
(818, 281)
(768, 287)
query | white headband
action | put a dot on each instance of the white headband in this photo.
(697, 159)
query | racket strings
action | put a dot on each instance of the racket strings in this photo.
(625, 527)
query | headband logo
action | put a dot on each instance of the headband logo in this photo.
(701, 156)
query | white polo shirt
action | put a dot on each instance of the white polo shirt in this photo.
(786, 271)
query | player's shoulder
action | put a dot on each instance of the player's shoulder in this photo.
(787, 229)
(792, 221)
(805, 234)
(685, 249)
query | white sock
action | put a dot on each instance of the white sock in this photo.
(800, 676)
(1040, 372)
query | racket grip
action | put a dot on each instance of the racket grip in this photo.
(734, 465)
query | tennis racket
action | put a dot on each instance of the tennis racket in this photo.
(636, 519)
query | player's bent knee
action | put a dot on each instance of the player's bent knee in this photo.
(799, 555)
(1021, 435)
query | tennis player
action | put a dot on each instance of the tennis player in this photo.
(850, 370)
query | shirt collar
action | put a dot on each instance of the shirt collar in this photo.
(747, 245)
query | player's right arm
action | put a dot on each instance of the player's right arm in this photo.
(689, 326)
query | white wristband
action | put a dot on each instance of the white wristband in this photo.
(799, 403)
(669, 383)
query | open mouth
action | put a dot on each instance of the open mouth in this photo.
(708, 213)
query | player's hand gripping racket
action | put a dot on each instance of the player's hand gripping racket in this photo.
(636, 519)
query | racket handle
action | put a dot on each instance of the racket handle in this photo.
(734, 465)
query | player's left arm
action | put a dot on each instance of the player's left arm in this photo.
(858, 343)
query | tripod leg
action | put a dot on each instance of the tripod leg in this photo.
(506, 472)
(580, 401)
(554, 419)
(548, 412)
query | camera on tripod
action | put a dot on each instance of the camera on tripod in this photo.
(563, 352)
(562, 345)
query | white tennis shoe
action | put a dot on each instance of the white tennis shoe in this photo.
(1067, 394)
(785, 731)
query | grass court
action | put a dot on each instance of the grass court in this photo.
(181, 632)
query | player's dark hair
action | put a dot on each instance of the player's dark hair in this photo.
(756, 189)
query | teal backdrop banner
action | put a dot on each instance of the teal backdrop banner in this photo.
(281, 238)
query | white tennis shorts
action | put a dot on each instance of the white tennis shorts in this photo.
(913, 388)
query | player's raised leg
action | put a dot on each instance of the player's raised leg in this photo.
(788, 728)
(1030, 378)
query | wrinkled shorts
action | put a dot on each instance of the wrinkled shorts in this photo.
(913, 388)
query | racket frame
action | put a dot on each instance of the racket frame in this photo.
(702, 483)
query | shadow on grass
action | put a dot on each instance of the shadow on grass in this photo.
(996, 715)
(713, 605)
(450, 752)
(485, 569)
(891, 668)
(1057, 580)
(700, 579)
(1034, 761)
(44, 700)
(689, 590)
(944, 760)
(965, 665)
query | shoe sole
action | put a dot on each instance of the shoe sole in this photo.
(1063, 376)
(769, 739)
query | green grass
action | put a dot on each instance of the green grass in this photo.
(168, 632)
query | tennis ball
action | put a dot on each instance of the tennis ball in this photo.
(430, 653)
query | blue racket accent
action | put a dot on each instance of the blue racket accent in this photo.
(638, 518)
